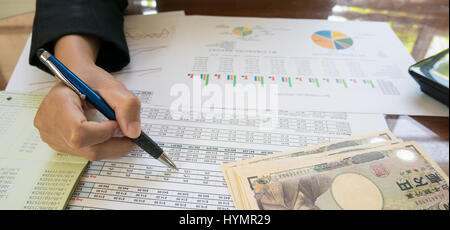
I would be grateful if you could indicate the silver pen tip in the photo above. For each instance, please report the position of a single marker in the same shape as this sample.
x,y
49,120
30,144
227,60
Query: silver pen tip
x,y
163,158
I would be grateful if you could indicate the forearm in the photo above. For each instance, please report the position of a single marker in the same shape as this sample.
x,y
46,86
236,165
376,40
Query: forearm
x,y
77,50
79,53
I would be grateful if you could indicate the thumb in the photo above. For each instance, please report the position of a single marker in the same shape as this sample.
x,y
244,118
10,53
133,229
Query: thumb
x,y
127,108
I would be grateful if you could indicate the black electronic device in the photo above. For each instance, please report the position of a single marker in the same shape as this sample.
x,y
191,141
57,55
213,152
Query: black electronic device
x,y
432,75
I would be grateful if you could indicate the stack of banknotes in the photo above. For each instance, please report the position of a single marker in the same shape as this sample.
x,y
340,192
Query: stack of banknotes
x,y
375,171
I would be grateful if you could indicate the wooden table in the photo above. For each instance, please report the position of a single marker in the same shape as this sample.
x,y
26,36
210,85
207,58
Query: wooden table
x,y
419,24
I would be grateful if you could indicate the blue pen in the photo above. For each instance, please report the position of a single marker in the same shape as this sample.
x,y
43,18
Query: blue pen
x,y
86,93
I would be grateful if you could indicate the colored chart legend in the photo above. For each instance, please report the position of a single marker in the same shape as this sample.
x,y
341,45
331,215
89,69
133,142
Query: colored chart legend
x,y
332,39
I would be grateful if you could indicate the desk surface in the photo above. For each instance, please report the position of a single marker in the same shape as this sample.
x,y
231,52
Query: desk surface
x,y
422,26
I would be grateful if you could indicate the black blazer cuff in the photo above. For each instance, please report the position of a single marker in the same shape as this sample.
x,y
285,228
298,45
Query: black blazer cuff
x,y
100,18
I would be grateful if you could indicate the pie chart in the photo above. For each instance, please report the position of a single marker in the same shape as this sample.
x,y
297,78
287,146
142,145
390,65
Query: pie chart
x,y
332,39
242,31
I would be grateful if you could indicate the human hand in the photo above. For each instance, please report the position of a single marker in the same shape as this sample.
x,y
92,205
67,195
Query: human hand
x,y
61,117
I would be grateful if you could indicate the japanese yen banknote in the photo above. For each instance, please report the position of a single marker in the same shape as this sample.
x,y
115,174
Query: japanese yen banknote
x,y
387,174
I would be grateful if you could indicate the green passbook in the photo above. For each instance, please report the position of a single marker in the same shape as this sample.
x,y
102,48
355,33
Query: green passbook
x,y
32,175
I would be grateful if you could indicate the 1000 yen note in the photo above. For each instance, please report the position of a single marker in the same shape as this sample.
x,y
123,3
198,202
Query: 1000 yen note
x,y
373,139
231,177
400,176
378,137
234,178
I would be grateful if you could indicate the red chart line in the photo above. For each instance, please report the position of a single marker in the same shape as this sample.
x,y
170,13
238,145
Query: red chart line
x,y
140,35
139,73
148,50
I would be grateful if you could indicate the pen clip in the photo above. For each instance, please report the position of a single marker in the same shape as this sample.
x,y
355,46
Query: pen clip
x,y
44,56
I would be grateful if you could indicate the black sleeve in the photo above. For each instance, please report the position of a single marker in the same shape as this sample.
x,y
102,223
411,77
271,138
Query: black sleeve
x,y
100,18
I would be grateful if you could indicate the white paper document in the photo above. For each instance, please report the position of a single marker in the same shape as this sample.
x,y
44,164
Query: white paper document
x,y
327,66
148,38
317,65
198,147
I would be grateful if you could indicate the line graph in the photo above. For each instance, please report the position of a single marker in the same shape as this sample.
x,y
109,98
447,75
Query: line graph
x,y
146,50
138,35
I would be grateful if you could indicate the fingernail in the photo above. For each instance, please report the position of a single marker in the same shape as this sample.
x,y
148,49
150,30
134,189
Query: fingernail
x,y
134,129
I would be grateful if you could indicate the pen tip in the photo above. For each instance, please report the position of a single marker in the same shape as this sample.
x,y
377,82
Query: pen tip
x,y
163,158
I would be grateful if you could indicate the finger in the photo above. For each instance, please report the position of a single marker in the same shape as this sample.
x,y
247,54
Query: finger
x,y
78,132
113,148
92,132
89,133
56,144
48,117
91,113
88,106
126,106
